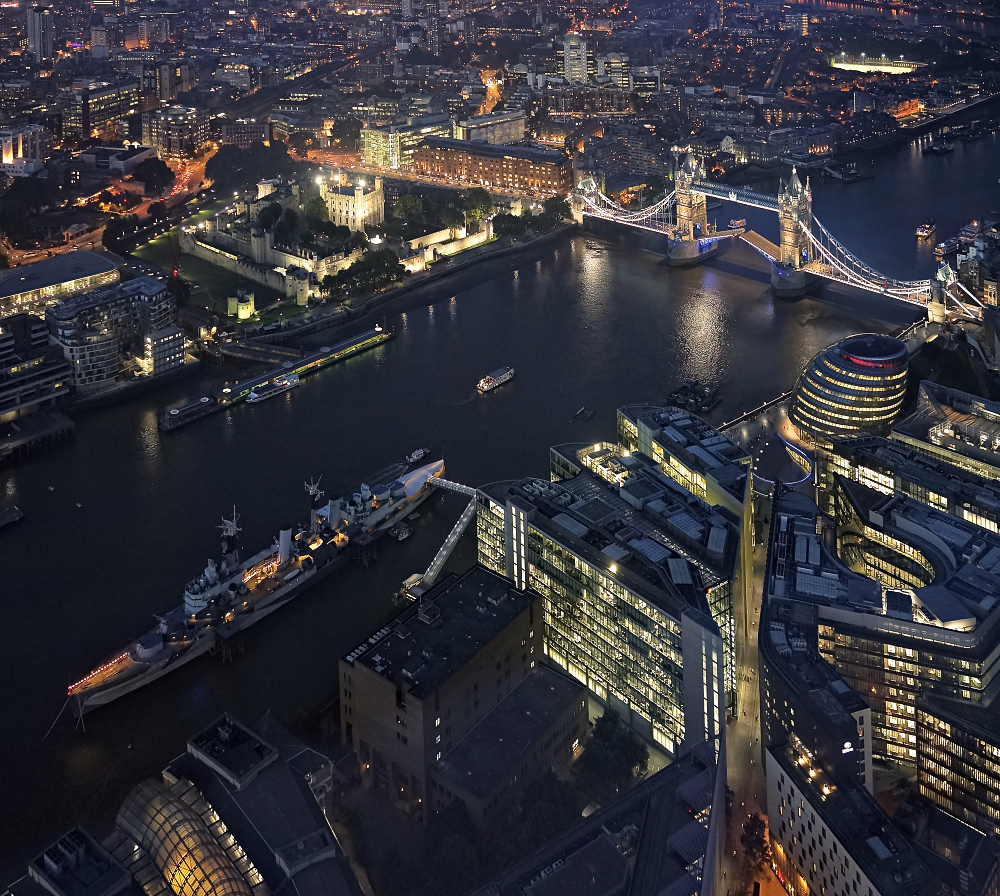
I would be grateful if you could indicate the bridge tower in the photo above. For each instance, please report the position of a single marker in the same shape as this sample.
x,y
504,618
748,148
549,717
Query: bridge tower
x,y
788,279
794,213
692,211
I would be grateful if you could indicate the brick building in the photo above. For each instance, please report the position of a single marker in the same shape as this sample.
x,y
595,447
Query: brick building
x,y
515,169
418,686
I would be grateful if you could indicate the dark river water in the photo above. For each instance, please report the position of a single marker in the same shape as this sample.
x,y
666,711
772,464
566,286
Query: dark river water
x,y
120,518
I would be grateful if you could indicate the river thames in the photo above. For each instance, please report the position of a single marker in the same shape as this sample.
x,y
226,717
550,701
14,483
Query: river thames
x,y
120,518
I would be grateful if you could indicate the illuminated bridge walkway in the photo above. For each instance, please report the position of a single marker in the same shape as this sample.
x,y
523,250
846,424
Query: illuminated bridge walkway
x,y
807,249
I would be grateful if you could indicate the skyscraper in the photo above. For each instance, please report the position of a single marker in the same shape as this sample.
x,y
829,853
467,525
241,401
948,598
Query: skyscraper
x,y
575,68
41,33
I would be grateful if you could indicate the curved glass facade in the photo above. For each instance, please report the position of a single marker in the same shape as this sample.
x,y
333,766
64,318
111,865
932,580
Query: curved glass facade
x,y
179,843
857,385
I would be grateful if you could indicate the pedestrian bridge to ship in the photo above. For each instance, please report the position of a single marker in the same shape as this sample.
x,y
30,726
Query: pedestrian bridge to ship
x,y
806,251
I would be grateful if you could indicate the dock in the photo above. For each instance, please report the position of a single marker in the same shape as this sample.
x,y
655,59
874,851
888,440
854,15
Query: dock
x,y
10,514
233,393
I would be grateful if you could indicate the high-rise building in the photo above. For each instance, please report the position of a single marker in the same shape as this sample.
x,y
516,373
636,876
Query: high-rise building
x,y
98,329
22,150
906,605
97,109
33,374
616,67
41,34
576,59
391,146
176,131
629,566
100,42
173,76
857,385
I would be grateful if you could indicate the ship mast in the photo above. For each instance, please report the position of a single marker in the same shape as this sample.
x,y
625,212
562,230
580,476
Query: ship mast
x,y
315,499
230,538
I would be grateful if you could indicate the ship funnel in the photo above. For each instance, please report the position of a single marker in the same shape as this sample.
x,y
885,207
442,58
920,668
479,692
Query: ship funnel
x,y
284,545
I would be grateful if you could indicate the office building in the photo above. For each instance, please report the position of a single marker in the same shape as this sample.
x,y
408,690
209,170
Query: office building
x,y
803,699
831,836
97,109
665,837
392,146
173,77
22,150
958,758
890,465
242,132
356,205
646,80
32,287
413,691
41,28
100,331
100,42
33,374
514,169
956,427
176,131
75,865
503,127
906,605
616,67
857,385
576,59
630,568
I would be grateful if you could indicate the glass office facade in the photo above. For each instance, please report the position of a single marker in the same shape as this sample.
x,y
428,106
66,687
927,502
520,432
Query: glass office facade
x,y
857,385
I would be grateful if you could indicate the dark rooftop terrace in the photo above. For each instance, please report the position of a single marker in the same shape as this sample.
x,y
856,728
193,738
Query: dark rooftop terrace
x,y
430,641
489,754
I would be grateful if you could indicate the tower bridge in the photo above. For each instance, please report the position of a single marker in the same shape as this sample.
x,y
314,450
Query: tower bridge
x,y
806,250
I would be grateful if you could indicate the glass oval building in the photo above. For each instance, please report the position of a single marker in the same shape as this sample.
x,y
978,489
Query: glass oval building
x,y
857,385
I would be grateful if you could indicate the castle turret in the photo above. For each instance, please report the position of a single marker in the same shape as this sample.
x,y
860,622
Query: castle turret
x,y
795,222
692,212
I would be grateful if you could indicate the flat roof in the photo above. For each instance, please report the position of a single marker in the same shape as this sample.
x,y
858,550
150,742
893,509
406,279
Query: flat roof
x,y
696,442
498,151
858,822
77,865
492,751
928,470
959,422
275,816
431,640
959,608
641,845
53,271
233,747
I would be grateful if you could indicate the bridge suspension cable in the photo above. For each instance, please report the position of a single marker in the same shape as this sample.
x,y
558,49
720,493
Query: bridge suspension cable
x,y
844,266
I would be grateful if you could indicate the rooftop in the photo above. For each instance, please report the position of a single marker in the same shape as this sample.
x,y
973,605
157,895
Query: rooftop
x,y
649,842
490,753
270,809
926,470
982,721
498,151
77,865
428,642
53,271
963,596
695,442
856,820
790,649
962,423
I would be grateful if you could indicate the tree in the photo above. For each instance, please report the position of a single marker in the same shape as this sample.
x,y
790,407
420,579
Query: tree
x,y
14,218
155,175
283,232
509,225
407,207
269,215
557,208
290,217
478,204
34,192
755,844
453,219
158,210
613,759
4,261
315,212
